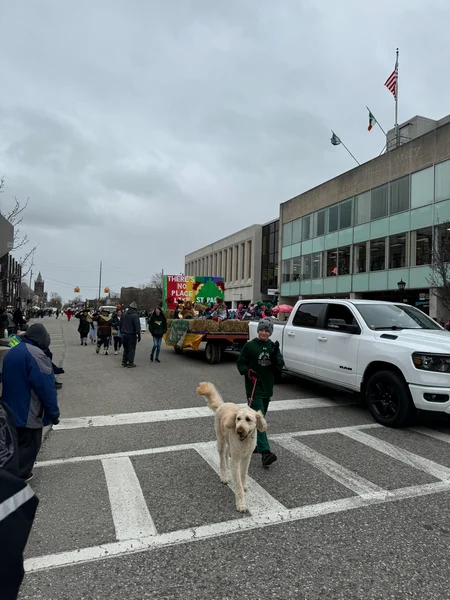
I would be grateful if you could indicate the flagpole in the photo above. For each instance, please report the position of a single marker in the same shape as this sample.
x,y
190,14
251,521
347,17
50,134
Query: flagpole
x,y
336,141
397,139
357,162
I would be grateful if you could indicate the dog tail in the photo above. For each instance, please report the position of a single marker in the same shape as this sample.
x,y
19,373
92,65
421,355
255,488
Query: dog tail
x,y
210,394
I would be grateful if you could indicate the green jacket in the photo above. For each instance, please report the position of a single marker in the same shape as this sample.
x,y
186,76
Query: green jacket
x,y
265,359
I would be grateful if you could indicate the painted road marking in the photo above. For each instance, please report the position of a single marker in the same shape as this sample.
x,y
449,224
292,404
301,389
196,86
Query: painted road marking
x,y
205,532
404,456
437,435
156,416
129,509
329,467
191,446
257,499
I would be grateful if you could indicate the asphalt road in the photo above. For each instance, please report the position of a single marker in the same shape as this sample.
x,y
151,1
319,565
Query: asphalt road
x,y
131,506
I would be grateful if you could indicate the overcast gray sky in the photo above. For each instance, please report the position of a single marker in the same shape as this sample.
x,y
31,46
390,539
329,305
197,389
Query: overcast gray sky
x,y
144,129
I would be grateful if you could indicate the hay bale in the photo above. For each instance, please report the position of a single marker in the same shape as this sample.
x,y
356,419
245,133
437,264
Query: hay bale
x,y
203,325
170,314
234,326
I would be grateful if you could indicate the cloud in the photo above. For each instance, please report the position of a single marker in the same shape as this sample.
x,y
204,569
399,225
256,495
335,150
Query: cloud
x,y
144,130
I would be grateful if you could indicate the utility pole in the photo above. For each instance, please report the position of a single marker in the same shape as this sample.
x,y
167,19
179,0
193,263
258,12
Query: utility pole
x,y
99,284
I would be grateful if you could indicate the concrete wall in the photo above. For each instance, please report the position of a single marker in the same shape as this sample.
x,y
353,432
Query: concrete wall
x,y
420,153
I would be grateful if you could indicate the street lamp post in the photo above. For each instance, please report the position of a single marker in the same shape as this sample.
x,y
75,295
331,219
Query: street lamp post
x,y
401,288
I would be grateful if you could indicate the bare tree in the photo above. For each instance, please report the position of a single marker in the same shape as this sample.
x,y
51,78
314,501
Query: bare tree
x,y
439,279
21,243
157,283
56,300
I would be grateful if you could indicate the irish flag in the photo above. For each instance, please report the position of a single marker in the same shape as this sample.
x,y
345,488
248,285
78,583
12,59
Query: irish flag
x,y
372,121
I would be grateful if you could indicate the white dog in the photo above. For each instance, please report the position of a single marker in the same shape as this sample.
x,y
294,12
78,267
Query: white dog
x,y
236,437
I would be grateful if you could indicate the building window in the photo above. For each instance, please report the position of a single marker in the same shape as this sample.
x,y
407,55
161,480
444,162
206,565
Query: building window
x,y
306,271
344,261
442,181
297,231
424,244
287,234
317,265
269,257
249,259
307,227
331,263
379,203
345,214
360,257
236,263
230,263
422,187
225,265
296,268
397,251
399,197
242,261
362,208
333,218
319,223
286,270
378,254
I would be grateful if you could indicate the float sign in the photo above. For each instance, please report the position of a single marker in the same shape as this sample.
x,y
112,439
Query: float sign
x,y
201,290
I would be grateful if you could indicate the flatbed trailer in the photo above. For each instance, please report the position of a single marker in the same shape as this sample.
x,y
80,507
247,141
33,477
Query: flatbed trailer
x,y
216,344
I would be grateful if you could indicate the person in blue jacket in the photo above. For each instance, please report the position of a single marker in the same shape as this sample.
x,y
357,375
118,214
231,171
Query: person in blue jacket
x,y
29,392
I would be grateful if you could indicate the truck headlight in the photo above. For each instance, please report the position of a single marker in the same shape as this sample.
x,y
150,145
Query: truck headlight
x,y
432,362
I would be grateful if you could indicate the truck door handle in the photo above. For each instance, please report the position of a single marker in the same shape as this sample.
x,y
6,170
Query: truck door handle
x,y
291,334
322,338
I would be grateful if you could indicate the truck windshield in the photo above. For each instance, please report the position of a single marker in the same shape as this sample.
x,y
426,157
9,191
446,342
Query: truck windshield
x,y
395,316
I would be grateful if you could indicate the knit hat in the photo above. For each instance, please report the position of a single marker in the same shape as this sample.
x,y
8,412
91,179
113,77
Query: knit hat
x,y
265,325
133,305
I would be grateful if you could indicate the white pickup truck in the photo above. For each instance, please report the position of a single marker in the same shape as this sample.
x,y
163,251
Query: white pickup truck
x,y
394,354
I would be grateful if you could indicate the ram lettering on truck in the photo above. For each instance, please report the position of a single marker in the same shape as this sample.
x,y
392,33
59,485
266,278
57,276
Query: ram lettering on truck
x,y
397,357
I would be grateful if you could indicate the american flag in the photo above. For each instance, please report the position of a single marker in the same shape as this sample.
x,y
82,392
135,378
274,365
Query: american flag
x,y
391,81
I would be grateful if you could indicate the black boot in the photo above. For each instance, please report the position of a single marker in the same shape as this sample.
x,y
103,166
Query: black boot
x,y
151,356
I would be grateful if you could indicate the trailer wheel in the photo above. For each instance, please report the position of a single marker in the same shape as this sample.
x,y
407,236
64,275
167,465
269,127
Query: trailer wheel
x,y
213,353
178,350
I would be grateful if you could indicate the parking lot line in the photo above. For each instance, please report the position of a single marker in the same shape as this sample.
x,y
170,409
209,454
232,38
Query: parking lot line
x,y
204,532
157,416
258,500
404,456
329,467
437,435
130,513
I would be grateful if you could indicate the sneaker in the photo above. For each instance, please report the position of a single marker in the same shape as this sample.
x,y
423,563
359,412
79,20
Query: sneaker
x,y
106,353
97,350
151,357
124,364
268,458
115,353
58,385
131,365
85,343
157,360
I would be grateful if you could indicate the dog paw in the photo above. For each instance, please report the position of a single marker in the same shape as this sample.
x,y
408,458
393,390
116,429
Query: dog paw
x,y
224,481
241,508
245,488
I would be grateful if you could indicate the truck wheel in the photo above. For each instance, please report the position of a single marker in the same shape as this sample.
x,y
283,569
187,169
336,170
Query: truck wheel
x,y
213,353
388,399
178,349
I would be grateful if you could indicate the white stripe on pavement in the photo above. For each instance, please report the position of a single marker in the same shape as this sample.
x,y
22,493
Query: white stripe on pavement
x,y
339,473
257,499
204,532
129,510
189,446
404,456
437,435
156,416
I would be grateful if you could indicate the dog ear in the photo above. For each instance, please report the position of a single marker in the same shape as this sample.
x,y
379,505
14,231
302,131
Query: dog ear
x,y
230,421
261,424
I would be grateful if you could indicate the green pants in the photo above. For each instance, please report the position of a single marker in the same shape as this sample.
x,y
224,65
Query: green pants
x,y
261,405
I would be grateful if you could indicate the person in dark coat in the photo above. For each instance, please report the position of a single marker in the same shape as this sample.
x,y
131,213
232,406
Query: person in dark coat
x,y
29,392
104,330
130,330
18,319
18,505
84,326
158,327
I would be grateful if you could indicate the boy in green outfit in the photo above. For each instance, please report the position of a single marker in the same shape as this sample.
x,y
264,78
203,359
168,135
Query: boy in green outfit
x,y
260,359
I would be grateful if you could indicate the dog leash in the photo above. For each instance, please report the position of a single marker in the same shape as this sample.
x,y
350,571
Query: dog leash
x,y
253,378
